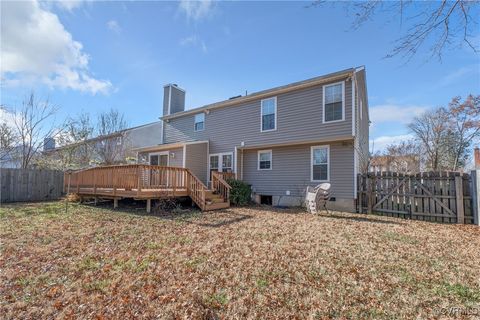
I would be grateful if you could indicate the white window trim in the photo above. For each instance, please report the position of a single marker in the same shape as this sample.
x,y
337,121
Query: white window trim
x,y
261,115
343,102
258,159
162,153
220,162
195,122
312,148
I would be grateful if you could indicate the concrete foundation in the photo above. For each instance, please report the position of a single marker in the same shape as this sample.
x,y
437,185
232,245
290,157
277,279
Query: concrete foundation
x,y
346,205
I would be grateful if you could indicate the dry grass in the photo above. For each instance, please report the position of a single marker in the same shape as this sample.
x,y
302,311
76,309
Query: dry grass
x,y
239,263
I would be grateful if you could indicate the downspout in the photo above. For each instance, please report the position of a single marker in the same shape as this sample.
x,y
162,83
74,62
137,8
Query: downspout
x,y
354,123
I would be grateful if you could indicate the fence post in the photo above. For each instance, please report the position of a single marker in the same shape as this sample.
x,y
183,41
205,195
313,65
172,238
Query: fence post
x,y
459,197
370,180
475,188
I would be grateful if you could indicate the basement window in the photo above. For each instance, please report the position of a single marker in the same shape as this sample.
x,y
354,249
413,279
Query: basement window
x,y
267,200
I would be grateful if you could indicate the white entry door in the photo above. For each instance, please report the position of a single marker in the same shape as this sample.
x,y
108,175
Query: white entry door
x,y
221,162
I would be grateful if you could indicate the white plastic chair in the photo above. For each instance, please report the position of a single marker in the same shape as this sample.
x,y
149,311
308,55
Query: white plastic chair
x,y
317,197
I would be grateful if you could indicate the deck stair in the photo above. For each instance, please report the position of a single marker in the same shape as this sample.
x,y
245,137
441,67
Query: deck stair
x,y
148,182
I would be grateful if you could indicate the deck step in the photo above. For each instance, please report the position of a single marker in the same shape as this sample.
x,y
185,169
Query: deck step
x,y
217,206
214,200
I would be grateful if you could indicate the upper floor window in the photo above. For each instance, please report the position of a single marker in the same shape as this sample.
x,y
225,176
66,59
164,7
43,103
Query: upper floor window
x,y
269,114
320,163
265,160
333,102
200,121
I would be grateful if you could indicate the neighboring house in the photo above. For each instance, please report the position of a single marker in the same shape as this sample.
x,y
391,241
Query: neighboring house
x,y
279,140
115,147
399,163
11,158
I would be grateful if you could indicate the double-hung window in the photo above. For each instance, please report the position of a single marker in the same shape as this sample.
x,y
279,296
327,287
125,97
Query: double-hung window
x,y
320,163
200,121
269,114
333,102
265,160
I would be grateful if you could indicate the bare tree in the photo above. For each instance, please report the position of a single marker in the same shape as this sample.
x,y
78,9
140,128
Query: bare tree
x,y
8,140
446,134
404,156
439,24
113,143
465,120
77,130
31,124
432,131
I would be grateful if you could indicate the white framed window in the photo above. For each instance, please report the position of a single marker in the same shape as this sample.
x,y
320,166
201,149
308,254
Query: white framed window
x,y
264,160
320,164
334,102
199,122
268,114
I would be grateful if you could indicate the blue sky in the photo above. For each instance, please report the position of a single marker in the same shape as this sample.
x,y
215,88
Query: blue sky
x,y
93,56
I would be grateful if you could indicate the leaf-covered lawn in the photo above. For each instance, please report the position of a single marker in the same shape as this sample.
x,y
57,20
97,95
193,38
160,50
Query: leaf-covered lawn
x,y
239,263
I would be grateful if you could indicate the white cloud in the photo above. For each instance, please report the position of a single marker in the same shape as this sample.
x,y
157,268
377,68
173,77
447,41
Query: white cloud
x,y
69,5
194,41
197,10
395,113
459,74
381,143
114,26
37,48
7,117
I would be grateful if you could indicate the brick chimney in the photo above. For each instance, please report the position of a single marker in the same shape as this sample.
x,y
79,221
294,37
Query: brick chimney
x,y
476,156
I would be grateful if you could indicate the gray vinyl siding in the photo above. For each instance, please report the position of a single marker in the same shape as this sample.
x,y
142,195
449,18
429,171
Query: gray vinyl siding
x,y
362,134
145,136
197,160
299,119
177,100
291,170
166,93
175,157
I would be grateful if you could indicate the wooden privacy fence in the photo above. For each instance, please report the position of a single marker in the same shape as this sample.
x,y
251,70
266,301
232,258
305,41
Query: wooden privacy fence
x,y
30,185
431,196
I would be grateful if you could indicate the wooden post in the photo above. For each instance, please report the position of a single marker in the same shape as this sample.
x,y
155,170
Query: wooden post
x,y
95,184
115,203
139,180
475,188
459,197
370,180
149,205
114,182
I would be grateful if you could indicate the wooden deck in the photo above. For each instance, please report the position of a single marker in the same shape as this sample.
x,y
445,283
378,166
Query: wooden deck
x,y
148,182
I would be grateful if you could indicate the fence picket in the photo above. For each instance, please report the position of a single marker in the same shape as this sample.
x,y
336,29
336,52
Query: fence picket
x,y
431,196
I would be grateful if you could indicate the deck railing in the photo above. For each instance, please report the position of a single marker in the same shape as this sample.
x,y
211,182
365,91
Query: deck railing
x,y
220,186
196,190
128,177
138,180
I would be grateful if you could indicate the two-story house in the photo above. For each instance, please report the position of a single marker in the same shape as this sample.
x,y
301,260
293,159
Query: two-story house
x,y
279,140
